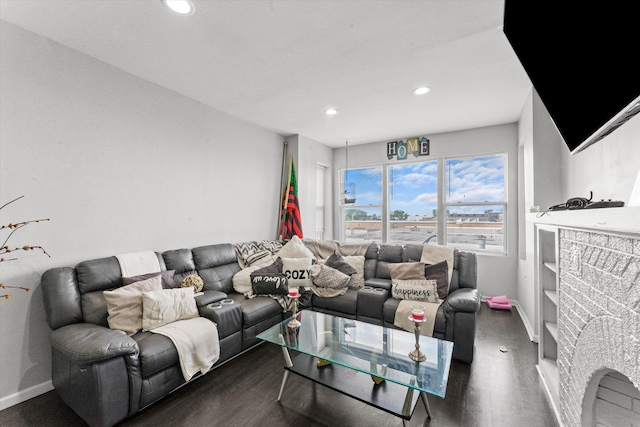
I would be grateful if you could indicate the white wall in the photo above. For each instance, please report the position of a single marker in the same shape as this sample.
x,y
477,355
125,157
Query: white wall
x,y
496,273
119,165
552,175
608,168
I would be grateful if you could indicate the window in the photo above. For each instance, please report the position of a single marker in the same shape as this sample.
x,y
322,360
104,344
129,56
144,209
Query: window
x,y
401,203
413,202
320,172
362,219
475,203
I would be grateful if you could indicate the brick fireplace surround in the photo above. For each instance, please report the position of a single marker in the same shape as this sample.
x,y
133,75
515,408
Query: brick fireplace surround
x,y
599,316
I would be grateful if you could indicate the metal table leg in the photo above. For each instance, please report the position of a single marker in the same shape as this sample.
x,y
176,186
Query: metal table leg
x,y
288,363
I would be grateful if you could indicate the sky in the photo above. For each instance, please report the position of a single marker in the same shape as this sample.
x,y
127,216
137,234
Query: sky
x,y
413,186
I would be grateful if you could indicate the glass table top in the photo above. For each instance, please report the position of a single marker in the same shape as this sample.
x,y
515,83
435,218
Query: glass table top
x,y
371,349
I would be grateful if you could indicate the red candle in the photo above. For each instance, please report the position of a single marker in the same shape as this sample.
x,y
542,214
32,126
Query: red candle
x,y
417,313
293,292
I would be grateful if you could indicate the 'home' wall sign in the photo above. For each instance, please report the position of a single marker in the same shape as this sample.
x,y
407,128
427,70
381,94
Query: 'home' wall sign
x,y
401,149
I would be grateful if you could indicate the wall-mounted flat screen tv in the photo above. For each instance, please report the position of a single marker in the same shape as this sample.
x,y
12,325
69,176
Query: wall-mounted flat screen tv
x,y
582,59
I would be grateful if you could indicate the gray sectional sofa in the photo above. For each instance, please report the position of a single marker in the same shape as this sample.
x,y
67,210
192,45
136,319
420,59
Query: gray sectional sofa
x,y
106,376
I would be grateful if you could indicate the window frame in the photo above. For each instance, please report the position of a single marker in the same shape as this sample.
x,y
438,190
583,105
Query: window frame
x,y
442,203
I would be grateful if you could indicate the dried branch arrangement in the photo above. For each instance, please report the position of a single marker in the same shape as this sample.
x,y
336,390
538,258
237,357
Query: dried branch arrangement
x,y
6,249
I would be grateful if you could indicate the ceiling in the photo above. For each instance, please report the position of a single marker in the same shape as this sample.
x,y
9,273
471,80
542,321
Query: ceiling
x,y
281,64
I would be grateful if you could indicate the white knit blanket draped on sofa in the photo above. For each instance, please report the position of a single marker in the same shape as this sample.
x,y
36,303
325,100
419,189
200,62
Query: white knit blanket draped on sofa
x,y
196,339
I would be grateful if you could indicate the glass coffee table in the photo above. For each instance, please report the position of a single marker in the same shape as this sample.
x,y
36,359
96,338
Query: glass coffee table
x,y
326,346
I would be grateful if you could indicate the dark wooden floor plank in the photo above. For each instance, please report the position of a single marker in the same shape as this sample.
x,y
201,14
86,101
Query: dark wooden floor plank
x,y
497,389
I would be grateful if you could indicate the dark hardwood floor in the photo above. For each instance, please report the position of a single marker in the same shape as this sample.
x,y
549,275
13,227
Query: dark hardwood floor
x,y
497,389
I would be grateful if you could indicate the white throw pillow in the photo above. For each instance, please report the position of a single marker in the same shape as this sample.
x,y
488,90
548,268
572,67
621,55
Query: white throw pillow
x,y
242,280
166,306
124,304
295,248
297,271
415,290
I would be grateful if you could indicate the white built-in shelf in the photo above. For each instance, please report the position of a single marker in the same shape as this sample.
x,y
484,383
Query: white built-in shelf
x,y
553,329
551,266
552,295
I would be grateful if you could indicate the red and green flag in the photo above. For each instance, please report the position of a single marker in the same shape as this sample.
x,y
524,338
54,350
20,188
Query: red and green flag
x,y
290,221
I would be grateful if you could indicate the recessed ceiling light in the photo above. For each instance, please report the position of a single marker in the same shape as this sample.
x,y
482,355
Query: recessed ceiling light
x,y
331,111
421,90
183,7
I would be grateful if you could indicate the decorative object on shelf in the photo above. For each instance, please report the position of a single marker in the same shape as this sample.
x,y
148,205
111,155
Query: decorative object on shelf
x,y
5,249
349,187
417,316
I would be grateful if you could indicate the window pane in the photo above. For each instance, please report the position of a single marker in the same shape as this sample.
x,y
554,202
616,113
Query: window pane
x,y
413,201
475,179
367,183
363,224
476,227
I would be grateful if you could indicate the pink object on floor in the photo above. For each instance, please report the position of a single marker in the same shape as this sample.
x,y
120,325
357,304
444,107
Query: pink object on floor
x,y
500,302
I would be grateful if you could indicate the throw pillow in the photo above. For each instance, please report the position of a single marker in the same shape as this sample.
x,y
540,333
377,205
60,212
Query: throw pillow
x,y
357,279
262,257
338,262
242,280
274,267
297,271
269,284
194,281
440,273
406,270
167,278
124,305
166,306
415,290
324,276
295,248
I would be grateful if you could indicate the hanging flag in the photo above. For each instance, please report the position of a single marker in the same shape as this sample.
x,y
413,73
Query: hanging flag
x,y
291,221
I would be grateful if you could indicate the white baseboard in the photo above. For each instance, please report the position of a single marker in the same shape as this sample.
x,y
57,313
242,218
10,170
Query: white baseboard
x,y
26,394
525,320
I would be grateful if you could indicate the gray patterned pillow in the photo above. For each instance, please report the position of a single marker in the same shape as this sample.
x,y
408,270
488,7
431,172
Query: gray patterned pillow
x,y
326,277
415,290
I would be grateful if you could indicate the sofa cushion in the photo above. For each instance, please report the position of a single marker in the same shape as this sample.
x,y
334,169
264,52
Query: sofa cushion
x,y
346,304
339,262
297,271
415,290
167,278
124,304
269,284
168,305
257,309
406,270
295,248
157,352
439,273
357,262
327,277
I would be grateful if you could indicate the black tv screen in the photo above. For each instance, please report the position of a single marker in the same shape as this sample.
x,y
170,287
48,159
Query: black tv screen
x,y
582,60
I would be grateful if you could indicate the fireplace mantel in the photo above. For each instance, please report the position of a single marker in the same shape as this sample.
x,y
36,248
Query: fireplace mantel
x,y
625,220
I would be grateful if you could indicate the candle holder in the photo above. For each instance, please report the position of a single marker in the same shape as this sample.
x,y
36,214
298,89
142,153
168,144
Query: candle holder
x,y
417,317
294,322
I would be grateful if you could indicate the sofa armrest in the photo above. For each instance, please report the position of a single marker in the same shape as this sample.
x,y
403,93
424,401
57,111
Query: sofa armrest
x,y
86,343
465,300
